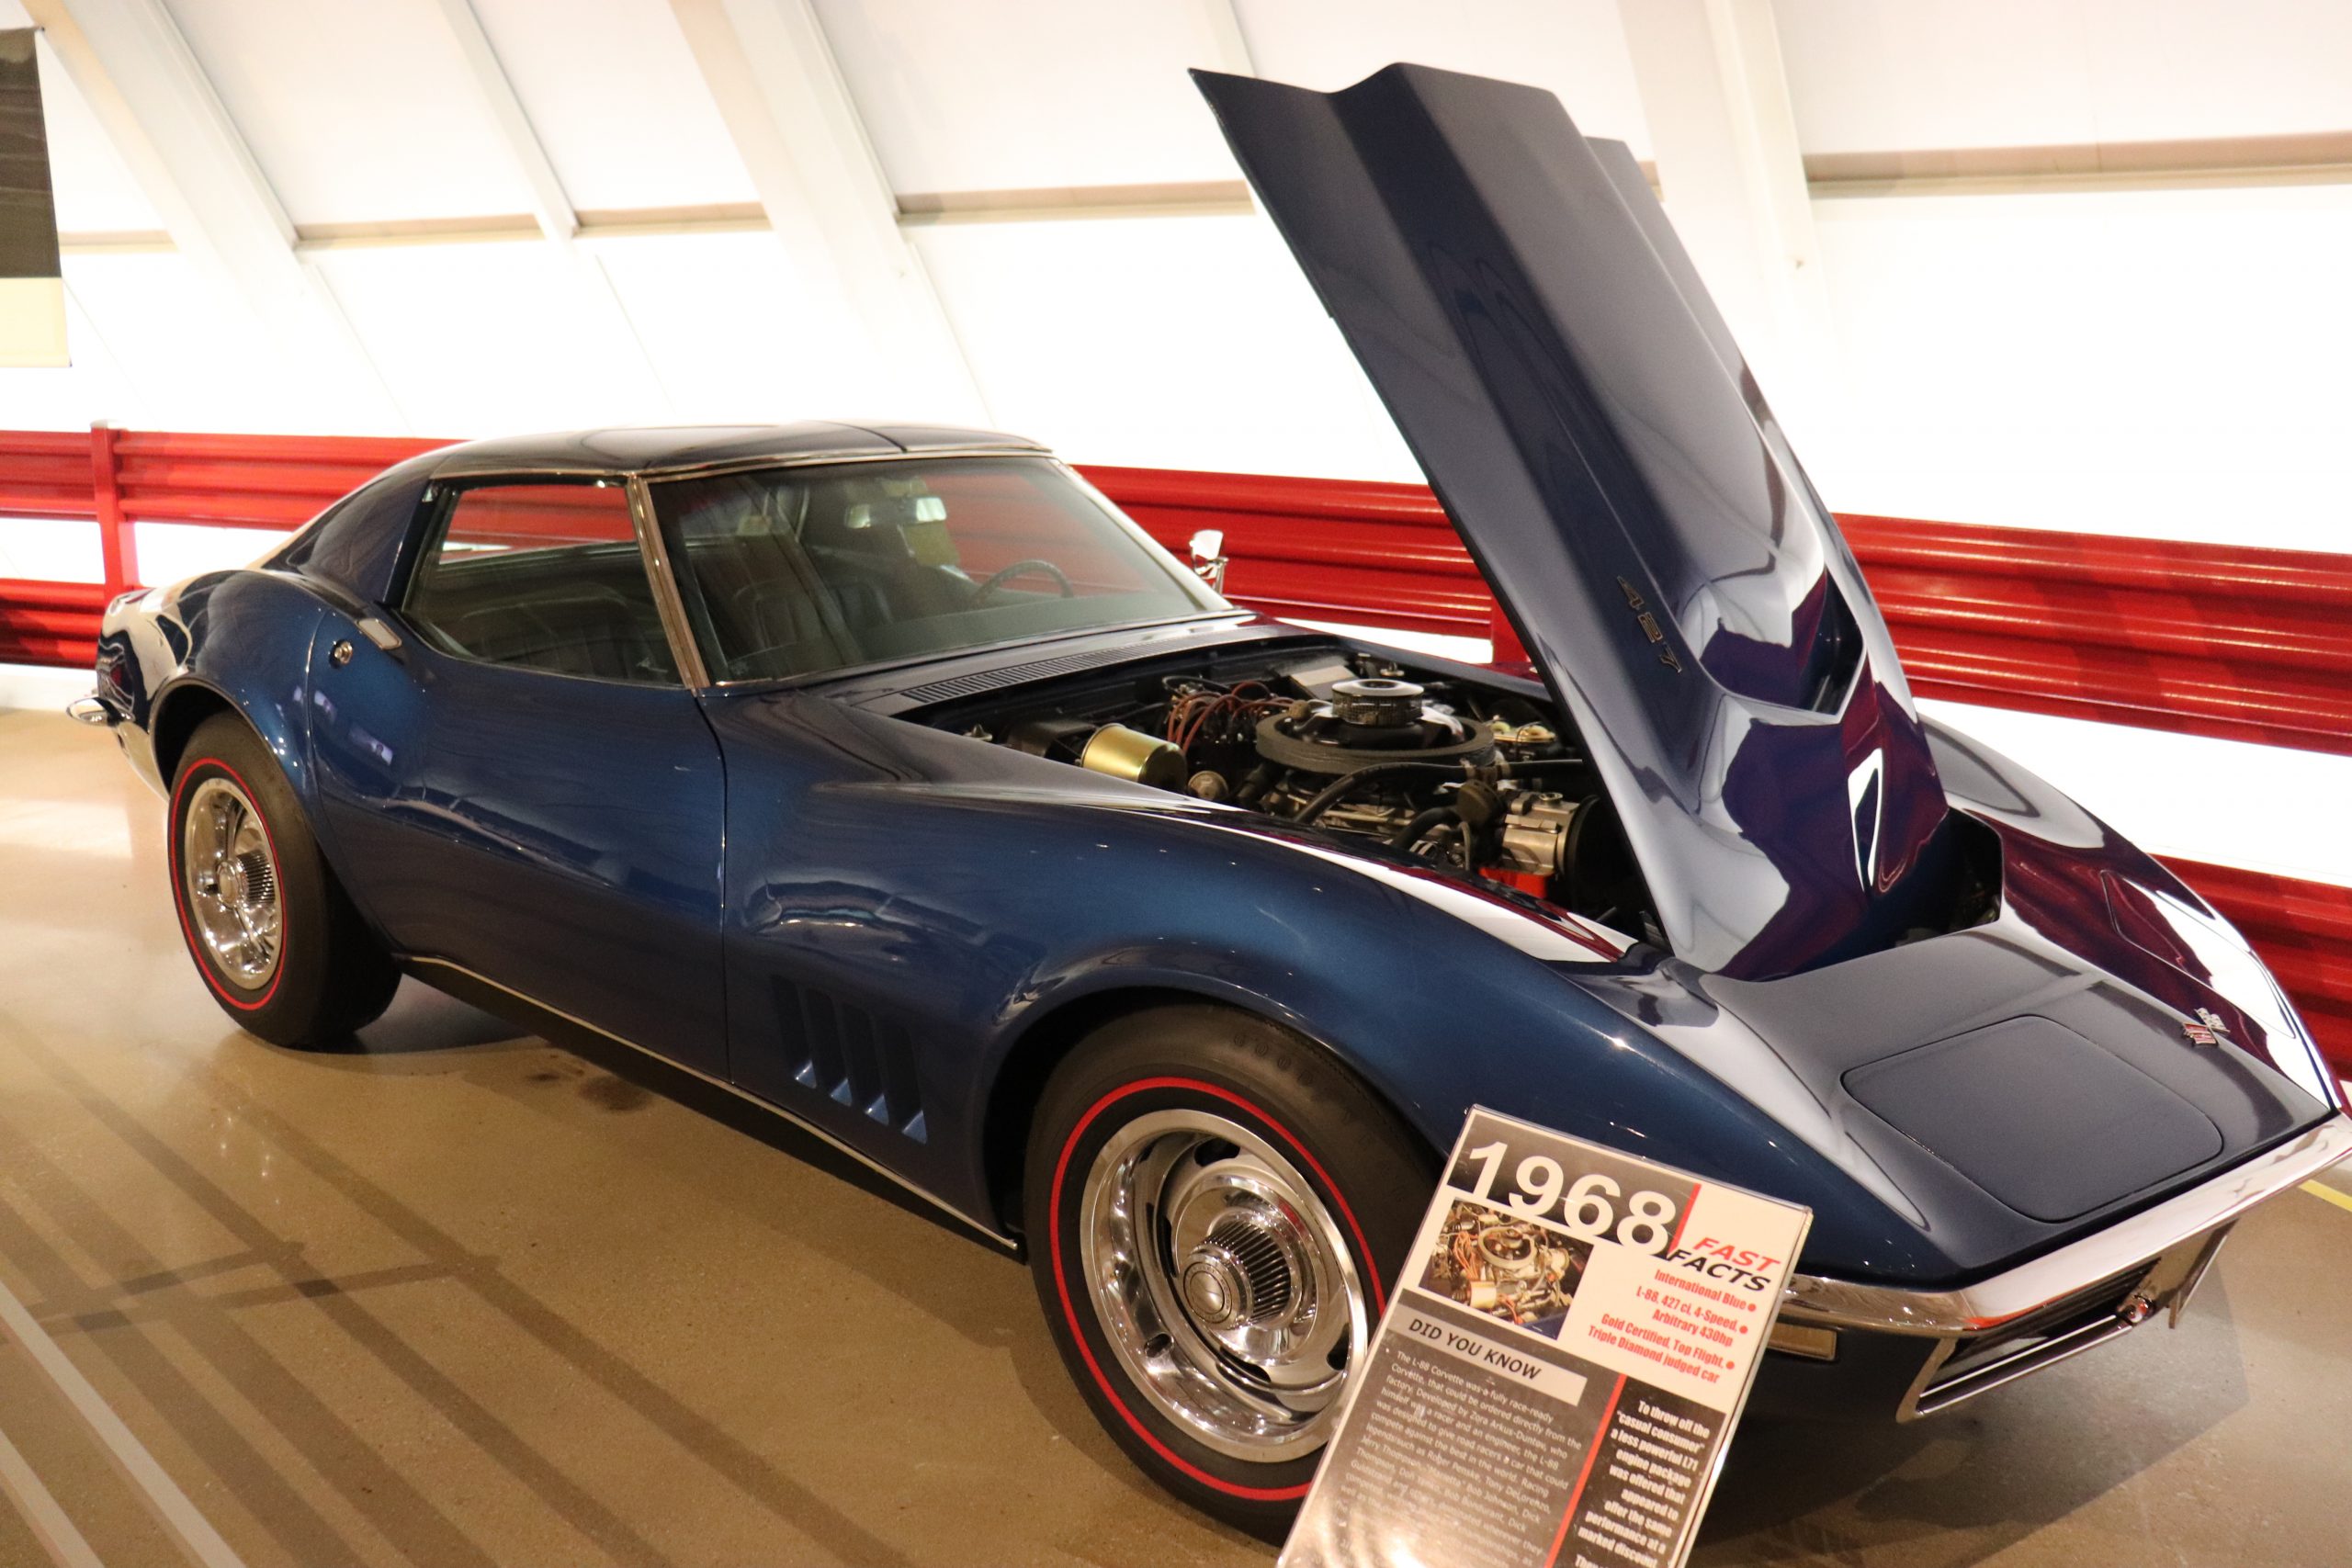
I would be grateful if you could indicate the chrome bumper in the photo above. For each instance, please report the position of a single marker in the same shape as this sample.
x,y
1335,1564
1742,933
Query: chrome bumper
x,y
2065,1301
90,710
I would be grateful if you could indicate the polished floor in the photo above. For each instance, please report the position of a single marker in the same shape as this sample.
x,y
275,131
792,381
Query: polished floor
x,y
456,1298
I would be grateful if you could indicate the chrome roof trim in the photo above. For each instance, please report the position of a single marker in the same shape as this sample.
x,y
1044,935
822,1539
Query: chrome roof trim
x,y
460,466
1972,1309
986,1232
676,625
658,473
486,468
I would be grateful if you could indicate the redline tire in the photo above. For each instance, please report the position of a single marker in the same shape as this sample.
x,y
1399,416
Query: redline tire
x,y
1364,1176
328,975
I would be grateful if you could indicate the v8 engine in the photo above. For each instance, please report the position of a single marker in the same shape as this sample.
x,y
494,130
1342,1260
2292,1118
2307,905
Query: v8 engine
x,y
1478,779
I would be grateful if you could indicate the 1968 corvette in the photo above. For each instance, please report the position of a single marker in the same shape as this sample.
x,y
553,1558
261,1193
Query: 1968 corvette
x,y
889,778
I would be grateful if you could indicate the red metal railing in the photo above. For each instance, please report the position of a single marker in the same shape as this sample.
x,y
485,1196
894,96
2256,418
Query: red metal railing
x,y
1318,549
2205,640
2202,639
119,479
49,623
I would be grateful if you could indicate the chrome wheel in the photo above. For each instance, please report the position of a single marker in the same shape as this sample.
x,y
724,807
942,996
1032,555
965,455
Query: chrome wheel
x,y
230,877
1222,1284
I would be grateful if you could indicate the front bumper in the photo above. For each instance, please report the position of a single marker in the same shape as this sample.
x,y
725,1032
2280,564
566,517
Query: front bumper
x,y
1960,1343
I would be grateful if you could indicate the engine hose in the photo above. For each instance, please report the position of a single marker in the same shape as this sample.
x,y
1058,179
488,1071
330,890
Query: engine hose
x,y
1337,789
1261,779
1411,832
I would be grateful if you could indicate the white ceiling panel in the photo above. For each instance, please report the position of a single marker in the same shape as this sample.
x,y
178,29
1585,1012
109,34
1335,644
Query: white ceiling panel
x,y
1885,75
358,111
71,397
477,340
1576,48
187,355
959,96
1169,342
2151,362
617,102
719,321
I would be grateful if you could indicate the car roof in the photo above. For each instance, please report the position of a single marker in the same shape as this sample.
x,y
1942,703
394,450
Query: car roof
x,y
669,448
356,542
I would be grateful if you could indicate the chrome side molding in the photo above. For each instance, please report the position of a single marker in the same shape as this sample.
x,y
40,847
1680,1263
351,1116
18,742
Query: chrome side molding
x,y
981,1228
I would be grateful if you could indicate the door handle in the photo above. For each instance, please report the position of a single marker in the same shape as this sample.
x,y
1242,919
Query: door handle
x,y
375,631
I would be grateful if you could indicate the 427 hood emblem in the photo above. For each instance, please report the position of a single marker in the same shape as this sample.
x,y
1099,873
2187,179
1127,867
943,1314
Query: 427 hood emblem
x,y
1646,618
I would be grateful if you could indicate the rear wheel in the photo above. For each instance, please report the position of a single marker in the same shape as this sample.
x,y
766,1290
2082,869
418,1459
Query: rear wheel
x,y
277,943
1214,1209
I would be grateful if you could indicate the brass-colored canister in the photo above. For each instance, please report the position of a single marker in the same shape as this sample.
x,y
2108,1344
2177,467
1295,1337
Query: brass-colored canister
x,y
1126,753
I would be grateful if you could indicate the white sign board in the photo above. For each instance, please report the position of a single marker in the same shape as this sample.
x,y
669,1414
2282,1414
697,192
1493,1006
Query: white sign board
x,y
1558,1375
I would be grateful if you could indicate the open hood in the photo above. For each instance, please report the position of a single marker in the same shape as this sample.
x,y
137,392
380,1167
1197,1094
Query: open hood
x,y
1523,308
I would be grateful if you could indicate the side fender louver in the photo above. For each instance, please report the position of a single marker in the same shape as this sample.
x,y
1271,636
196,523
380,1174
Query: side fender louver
x,y
851,1056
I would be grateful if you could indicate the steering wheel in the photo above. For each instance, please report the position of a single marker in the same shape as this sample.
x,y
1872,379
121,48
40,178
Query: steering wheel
x,y
998,579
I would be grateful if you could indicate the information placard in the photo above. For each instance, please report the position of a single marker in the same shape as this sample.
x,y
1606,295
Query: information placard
x,y
1559,1373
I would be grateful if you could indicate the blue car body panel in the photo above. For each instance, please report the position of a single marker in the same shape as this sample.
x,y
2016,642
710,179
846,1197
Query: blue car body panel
x,y
902,885
357,544
894,883
239,640
560,836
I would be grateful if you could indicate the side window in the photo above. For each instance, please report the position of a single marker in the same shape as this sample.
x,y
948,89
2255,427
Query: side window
x,y
545,575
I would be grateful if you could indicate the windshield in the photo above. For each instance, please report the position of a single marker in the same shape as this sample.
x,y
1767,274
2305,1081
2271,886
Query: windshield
x,y
798,571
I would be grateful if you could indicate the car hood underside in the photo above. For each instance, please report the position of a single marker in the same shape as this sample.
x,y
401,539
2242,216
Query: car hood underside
x,y
1521,304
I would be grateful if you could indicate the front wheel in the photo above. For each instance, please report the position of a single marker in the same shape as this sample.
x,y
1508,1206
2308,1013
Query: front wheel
x,y
277,943
1216,1208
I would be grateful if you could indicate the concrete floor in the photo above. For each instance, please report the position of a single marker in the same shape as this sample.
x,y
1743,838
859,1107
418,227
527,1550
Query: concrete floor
x,y
455,1298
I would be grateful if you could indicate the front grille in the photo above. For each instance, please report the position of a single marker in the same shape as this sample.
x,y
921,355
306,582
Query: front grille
x,y
2063,1328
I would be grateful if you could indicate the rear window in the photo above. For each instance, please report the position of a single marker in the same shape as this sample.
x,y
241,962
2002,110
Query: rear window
x,y
799,570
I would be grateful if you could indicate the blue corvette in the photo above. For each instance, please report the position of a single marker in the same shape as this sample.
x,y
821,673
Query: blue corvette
x,y
889,778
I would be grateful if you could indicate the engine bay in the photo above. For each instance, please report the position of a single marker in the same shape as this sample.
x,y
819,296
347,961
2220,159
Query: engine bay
x,y
1480,779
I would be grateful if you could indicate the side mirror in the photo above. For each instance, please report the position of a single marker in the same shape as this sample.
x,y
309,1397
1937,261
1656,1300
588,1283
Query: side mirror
x,y
1208,557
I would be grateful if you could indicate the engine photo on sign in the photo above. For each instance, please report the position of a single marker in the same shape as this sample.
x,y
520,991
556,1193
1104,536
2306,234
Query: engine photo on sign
x,y
1519,1272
